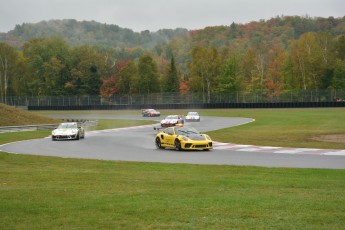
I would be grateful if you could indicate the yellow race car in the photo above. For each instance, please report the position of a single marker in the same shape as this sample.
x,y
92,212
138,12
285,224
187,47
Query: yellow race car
x,y
182,138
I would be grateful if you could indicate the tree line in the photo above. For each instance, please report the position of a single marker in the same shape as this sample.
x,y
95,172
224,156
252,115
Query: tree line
x,y
206,61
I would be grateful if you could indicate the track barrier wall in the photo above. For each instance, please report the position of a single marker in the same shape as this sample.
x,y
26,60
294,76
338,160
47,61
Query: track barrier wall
x,y
197,100
195,106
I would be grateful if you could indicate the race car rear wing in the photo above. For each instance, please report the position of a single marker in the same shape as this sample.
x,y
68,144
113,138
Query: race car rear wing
x,y
157,128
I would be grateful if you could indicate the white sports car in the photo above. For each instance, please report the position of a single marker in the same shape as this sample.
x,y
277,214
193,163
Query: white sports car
x,y
192,116
68,131
172,120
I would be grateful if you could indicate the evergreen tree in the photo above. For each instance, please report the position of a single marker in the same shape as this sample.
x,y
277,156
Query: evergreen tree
x,y
172,82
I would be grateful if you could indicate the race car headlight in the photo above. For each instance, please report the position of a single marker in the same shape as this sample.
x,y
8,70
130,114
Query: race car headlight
x,y
185,138
54,132
74,131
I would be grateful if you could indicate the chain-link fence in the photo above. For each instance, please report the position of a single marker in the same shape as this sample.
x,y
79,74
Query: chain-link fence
x,y
178,98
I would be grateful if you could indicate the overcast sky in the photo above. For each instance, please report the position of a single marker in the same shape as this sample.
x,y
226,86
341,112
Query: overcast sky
x,y
153,15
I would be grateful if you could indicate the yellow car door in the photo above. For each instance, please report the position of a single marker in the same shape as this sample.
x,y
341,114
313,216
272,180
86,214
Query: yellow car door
x,y
169,137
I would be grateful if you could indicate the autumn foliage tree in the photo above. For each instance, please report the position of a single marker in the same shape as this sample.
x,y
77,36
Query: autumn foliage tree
x,y
264,57
231,75
275,67
147,79
87,69
48,65
204,70
127,77
311,60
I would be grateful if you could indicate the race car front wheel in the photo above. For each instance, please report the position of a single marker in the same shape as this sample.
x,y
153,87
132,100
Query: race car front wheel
x,y
158,143
177,145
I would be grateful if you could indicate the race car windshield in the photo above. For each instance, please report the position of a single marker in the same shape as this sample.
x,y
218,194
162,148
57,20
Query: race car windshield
x,y
185,131
171,117
192,113
67,126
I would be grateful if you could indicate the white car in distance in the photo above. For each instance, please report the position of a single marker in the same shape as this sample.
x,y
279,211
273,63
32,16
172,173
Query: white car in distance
x,y
192,116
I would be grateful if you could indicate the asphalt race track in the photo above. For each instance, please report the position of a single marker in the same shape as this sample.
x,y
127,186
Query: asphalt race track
x,y
137,144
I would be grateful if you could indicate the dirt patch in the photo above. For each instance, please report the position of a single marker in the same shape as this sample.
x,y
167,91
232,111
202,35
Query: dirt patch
x,y
337,138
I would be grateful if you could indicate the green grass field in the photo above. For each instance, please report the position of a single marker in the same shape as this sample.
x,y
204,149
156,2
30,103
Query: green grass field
x,y
284,127
56,193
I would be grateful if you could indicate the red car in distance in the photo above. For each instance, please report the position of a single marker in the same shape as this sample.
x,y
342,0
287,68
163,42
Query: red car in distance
x,y
150,113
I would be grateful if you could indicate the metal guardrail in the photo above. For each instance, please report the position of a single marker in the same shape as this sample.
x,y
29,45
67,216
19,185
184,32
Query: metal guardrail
x,y
196,106
7,129
264,96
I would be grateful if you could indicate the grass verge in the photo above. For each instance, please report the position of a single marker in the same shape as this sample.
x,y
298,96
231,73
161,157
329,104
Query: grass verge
x,y
284,127
56,193
11,116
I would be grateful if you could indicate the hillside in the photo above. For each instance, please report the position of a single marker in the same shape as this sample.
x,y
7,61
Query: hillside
x,y
11,116
281,30
77,33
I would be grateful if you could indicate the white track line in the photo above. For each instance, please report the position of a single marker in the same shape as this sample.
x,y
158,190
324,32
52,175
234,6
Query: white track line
x,y
278,150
